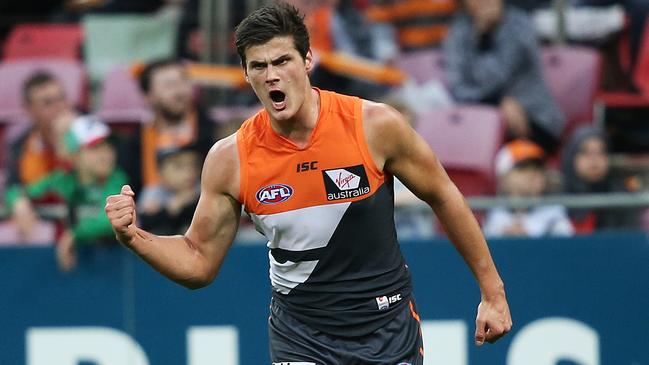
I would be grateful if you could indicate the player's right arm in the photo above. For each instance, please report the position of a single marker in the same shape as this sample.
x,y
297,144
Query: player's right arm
x,y
192,259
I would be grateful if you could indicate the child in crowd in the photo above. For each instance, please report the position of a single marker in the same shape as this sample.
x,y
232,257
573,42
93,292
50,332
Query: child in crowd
x,y
521,173
168,207
586,170
84,188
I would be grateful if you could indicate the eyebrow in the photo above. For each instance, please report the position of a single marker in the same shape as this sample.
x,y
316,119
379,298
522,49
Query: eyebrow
x,y
276,61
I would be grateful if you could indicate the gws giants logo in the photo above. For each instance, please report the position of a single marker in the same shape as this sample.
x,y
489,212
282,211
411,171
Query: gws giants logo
x,y
273,194
346,182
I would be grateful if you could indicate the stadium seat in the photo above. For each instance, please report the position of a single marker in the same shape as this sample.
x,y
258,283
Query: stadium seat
x,y
43,234
573,76
44,40
465,139
121,98
423,66
14,74
641,75
640,78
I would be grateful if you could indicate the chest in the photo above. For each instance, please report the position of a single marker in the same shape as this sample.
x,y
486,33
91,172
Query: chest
x,y
278,182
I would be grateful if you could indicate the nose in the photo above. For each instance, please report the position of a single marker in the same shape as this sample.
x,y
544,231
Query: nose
x,y
271,74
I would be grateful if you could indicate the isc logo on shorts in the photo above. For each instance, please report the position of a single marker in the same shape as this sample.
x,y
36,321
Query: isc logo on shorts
x,y
346,182
384,302
273,194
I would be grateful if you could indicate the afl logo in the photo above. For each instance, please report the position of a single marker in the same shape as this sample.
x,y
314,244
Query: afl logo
x,y
273,194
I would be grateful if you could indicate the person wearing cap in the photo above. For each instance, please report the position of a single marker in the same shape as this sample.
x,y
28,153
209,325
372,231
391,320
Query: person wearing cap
x,y
168,206
520,169
84,188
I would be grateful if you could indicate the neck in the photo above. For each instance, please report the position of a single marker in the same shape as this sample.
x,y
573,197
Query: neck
x,y
299,128
85,177
45,136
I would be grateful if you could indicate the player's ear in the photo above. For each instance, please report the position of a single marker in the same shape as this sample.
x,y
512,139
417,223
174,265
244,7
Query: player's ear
x,y
308,60
245,72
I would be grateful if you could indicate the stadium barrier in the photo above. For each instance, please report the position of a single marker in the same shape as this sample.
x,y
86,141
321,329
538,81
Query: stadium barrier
x,y
577,201
579,300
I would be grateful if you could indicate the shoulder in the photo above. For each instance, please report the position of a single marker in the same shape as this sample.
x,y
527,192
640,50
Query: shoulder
x,y
498,214
387,132
154,192
221,167
119,175
461,22
381,115
516,14
18,143
519,20
381,120
551,211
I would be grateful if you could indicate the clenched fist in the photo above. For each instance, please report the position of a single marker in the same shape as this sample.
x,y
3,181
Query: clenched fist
x,y
121,214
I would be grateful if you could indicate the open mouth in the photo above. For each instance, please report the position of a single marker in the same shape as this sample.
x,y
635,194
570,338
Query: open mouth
x,y
278,98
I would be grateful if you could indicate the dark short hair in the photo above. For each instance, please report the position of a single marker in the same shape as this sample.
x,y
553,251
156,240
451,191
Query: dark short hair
x,y
37,79
268,22
147,73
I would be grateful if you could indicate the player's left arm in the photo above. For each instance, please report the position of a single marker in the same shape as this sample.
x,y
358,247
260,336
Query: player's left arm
x,y
396,148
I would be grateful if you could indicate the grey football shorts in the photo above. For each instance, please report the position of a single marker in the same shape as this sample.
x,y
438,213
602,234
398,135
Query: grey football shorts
x,y
294,343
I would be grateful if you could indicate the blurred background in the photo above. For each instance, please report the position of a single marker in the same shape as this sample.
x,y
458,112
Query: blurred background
x,y
538,110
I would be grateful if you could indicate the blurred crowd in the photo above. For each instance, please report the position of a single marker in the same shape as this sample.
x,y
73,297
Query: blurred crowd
x,y
420,56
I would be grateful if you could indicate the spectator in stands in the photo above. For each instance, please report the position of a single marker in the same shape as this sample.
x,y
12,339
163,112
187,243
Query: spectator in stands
x,y
84,189
168,207
492,57
521,173
341,26
637,12
177,121
586,170
33,155
420,24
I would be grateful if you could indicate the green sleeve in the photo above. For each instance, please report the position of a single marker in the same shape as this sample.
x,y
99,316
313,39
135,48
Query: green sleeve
x,y
58,182
88,229
91,228
13,193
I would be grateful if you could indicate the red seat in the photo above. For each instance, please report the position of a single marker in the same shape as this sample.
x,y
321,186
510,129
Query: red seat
x,y
573,76
44,40
122,101
641,75
14,74
640,80
423,66
465,139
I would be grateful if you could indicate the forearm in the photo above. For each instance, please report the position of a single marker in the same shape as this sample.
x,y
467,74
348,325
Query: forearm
x,y
176,257
463,230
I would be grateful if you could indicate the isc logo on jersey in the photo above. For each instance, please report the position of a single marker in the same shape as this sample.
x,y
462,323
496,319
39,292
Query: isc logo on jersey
x,y
273,194
346,182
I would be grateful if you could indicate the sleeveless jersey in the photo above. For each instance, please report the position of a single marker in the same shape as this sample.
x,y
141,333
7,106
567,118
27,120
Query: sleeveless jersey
x,y
328,214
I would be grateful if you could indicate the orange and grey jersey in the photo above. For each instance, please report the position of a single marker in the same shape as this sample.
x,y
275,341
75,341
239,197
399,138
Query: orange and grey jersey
x,y
328,214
